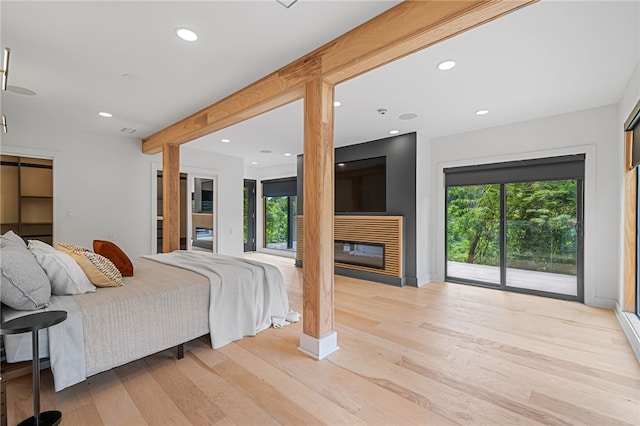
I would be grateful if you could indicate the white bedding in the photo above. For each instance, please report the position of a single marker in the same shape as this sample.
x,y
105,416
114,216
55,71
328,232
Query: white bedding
x,y
245,298
161,307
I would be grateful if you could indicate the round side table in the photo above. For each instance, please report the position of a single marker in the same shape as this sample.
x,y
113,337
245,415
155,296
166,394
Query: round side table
x,y
34,323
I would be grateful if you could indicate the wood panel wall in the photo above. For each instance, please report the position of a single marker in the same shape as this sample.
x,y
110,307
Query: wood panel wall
x,y
367,229
630,227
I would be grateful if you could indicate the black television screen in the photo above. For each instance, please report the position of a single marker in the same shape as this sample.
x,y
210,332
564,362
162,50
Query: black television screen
x,y
361,185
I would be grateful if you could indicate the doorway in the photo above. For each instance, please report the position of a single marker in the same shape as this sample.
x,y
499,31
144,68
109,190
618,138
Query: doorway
x,y
249,215
517,226
203,229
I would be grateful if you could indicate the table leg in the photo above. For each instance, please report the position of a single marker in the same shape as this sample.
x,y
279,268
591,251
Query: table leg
x,y
36,378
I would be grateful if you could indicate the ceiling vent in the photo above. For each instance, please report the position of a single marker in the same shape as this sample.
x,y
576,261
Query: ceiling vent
x,y
128,131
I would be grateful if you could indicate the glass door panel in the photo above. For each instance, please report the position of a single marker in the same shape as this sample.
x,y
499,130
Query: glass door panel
x,y
202,219
542,220
473,233
249,225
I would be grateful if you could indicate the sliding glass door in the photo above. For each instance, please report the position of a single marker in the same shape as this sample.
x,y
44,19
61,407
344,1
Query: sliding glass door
x,y
522,231
542,235
473,233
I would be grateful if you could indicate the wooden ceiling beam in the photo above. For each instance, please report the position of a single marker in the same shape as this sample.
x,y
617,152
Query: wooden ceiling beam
x,y
404,29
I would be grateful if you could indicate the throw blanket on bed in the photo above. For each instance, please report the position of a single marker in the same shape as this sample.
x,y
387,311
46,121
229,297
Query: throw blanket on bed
x,y
117,325
246,296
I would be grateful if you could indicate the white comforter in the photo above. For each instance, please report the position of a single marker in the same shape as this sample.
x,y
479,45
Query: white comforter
x,y
245,298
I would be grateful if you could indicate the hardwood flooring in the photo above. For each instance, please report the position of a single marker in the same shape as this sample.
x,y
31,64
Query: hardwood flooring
x,y
438,355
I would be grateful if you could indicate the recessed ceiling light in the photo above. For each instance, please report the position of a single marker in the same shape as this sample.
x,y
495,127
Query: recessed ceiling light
x,y
105,114
287,154
482,112
394,132
21,90
254,163
186,34
337,103
225,140
446,65
408,116
340,164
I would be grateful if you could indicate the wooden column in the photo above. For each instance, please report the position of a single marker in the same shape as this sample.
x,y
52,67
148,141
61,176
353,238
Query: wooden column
x,y
170,198
318,338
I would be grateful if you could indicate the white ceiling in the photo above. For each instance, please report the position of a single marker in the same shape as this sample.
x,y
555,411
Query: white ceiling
x,y
545,59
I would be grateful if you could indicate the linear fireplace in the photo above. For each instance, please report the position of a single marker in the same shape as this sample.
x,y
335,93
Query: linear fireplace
x,y
359,253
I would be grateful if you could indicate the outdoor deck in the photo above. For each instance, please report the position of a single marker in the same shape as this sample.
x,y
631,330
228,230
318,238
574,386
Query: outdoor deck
x,y
519,278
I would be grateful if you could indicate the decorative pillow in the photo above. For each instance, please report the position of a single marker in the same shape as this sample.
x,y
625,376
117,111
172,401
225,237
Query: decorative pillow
x,y
100,270
65,275
12,236
71,249
114,254
23,283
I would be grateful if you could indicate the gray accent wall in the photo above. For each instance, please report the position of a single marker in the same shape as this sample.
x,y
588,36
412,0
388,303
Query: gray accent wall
x,y
400,152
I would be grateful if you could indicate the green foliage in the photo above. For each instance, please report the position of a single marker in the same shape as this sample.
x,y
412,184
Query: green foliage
x,y
541,219
473,228
246,214
276,222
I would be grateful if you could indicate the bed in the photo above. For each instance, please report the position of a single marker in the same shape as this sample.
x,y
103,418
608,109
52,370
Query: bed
x,y
171,299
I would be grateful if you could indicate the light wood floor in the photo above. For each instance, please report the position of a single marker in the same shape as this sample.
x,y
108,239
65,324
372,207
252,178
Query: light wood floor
x,y
442,354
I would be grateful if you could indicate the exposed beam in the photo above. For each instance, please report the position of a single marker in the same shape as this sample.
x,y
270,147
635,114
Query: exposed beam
x,y
402,30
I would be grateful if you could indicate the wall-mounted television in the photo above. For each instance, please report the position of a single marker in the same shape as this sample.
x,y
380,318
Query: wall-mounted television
x,y
361,185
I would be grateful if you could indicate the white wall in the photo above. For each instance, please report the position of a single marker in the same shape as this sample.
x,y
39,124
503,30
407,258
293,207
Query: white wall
x,y
425,212
102,185
594,132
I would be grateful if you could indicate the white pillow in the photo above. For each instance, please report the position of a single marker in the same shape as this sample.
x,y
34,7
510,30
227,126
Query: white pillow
x,y
12,236
23,283
65,275
40,247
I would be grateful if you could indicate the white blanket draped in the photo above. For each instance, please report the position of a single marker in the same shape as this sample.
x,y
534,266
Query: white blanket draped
x,y
246,296
117,325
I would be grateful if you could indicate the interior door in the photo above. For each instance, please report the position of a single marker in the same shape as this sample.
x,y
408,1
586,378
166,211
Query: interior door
x,y
249,215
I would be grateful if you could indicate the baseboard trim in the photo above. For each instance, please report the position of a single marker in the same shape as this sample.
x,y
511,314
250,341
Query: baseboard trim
x,y
630,324
319,348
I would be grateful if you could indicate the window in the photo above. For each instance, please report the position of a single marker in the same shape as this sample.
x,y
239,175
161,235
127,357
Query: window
x,y
517,226
280,213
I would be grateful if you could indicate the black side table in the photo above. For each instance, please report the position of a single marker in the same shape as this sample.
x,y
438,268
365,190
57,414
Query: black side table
x,y
34,323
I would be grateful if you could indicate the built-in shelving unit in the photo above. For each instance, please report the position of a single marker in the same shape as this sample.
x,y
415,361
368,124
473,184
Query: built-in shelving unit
x,y
26,207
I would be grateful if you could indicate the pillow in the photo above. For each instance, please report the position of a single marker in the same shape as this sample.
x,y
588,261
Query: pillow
x,y
100,270
39,247
114,254
13,237
23,283
71,249
65,275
